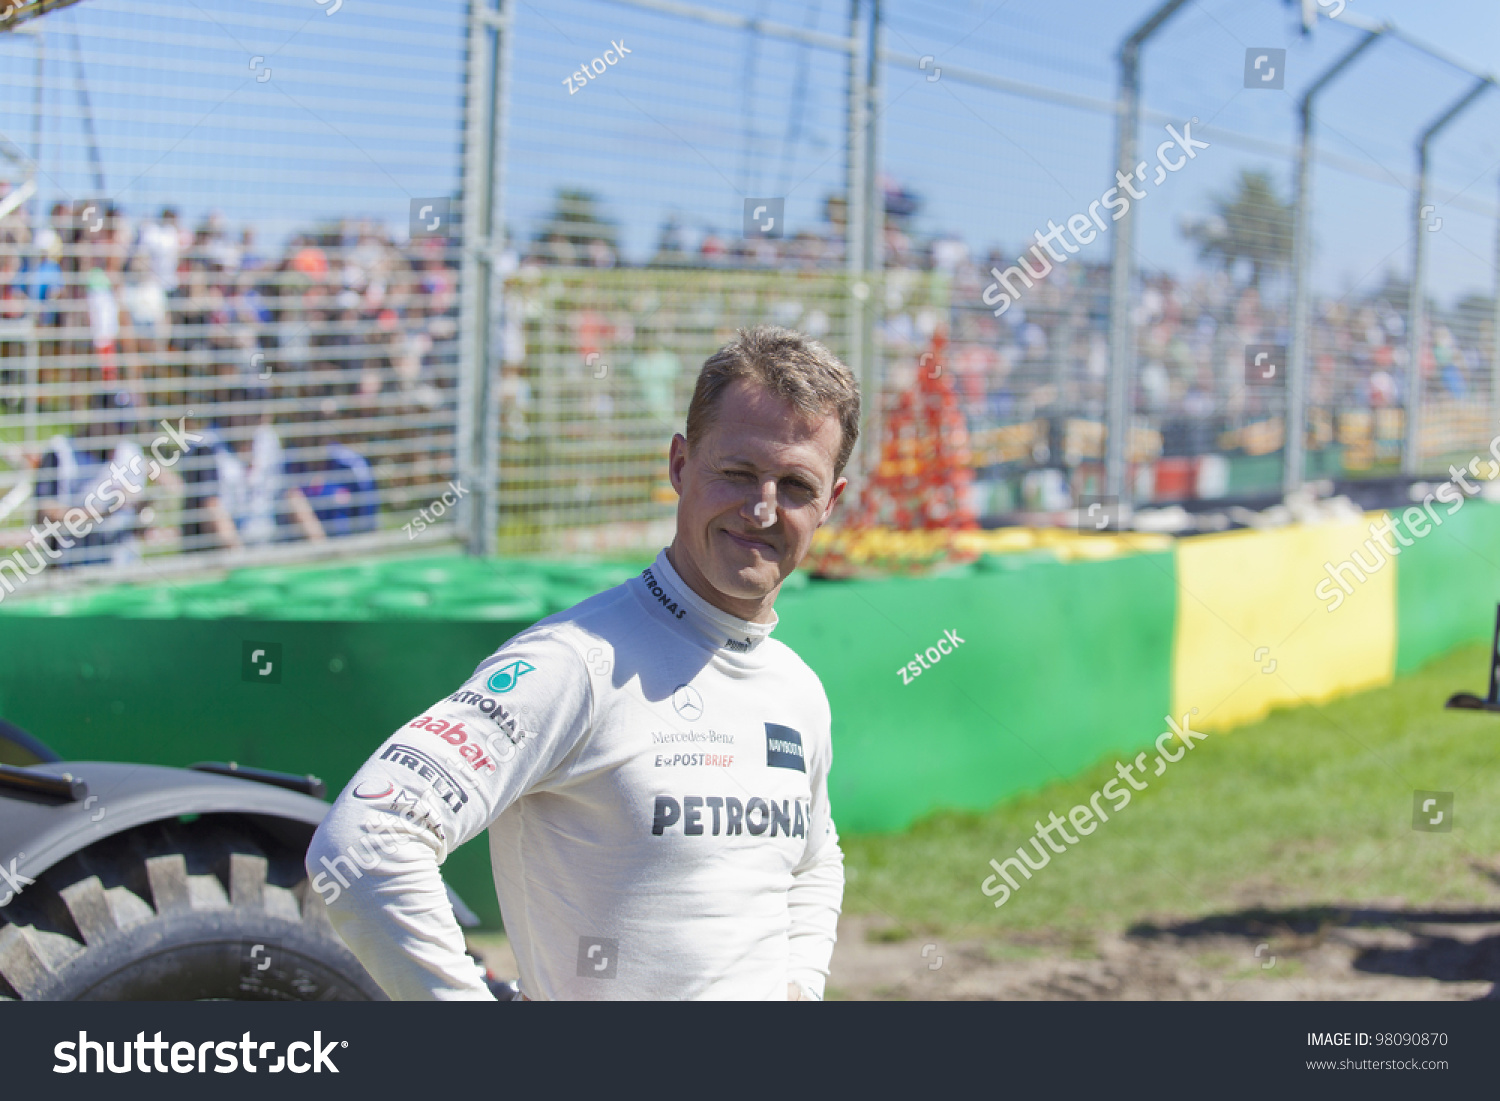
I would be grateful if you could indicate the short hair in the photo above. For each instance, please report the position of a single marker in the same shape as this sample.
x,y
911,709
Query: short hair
x,y
793,367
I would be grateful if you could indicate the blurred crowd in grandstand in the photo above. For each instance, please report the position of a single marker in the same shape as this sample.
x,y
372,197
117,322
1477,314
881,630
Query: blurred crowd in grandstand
x,y
1033,380
310,371
321,374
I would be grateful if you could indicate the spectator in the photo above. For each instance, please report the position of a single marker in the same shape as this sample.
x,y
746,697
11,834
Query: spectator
x,y
163,245
237,503
342,492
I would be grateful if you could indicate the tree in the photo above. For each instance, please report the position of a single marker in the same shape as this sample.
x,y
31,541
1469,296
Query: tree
x,y
575,219
1253,225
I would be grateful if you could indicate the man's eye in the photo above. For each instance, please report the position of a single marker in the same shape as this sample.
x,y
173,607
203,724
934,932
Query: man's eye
x,y
738,474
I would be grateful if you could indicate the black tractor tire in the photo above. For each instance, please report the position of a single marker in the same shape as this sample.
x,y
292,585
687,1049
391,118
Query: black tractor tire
x,y
210,908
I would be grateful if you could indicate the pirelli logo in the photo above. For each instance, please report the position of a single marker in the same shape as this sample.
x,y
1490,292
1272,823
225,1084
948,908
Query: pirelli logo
x,y
784,748
442,782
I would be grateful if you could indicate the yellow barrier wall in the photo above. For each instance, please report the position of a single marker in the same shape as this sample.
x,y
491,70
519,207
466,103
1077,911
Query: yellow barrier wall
x,y
1253,635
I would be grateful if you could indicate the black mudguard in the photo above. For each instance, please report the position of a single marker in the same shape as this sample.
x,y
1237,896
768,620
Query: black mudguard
x,y
37,831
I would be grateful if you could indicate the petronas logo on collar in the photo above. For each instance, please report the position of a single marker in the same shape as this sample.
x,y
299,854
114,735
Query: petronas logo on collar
x,y
504,678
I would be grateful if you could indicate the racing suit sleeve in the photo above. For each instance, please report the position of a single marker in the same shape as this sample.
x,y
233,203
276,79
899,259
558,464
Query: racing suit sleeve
x,y
817,892
437,782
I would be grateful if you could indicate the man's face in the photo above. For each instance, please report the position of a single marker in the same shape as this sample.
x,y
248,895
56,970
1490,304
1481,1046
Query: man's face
x,y
753,489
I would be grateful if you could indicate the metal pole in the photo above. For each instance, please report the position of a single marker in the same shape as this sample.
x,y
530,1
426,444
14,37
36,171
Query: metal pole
x,y
854,174
493,359
1495,341
474,302
1416,313
39,39
82,88
39,219
871,373
855,214
1121,270
1294,449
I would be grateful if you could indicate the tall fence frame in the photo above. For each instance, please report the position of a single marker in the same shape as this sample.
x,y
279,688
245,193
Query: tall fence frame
x,y
488,298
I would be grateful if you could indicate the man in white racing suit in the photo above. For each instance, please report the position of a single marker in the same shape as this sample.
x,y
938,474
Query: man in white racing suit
x,y
651,765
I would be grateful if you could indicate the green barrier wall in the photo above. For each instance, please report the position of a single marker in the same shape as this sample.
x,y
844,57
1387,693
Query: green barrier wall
x,y
1061,665
170,692
1447,586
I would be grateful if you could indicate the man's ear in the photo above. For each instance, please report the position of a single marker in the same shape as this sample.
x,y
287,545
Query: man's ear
x,y
676,460
833,499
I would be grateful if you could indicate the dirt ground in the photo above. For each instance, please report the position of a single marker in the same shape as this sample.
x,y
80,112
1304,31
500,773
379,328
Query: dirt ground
x,y
1366,955
1370,954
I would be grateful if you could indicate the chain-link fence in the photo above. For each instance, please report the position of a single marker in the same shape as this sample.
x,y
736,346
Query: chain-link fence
x,y
995,133
229,325
931,187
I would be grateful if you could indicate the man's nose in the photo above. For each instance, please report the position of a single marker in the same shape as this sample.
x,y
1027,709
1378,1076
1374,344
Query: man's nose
x,y
761,506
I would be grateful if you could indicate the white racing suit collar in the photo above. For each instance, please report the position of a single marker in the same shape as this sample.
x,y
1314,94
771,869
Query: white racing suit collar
x,y
660,586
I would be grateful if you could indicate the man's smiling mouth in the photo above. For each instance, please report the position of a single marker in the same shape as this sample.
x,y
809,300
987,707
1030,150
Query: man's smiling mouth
x,y
748,541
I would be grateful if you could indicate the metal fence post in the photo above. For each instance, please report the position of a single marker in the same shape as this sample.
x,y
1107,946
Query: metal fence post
x,y
1121,339
493,361
1294,443
1495,342
1416,314
855,217
871,374
475,344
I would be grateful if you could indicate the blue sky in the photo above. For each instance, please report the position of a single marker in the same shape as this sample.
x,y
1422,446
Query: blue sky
x,y
697,119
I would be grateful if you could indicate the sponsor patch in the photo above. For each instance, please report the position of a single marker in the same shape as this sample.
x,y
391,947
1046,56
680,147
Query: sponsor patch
x,y
455,735
784,748
724,815
695,760
663,597
388,796
441,782
504,678
494,710
673,736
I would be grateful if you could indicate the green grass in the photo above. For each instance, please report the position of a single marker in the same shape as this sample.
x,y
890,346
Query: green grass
x,y
1308,807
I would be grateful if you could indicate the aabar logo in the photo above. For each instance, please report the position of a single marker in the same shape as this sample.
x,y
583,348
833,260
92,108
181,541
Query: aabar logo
x,y
504,678
784,748
455,735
